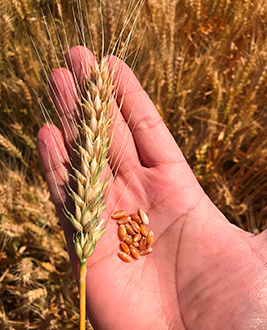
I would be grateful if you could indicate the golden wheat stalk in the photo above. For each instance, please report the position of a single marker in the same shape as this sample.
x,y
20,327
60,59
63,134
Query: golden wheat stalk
x,y
91,147
89,197
92,152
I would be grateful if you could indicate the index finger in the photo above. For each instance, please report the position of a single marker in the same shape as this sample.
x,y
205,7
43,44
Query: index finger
x,y
153,140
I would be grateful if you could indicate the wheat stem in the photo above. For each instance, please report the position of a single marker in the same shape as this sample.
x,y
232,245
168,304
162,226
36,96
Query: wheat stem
x,y
83,271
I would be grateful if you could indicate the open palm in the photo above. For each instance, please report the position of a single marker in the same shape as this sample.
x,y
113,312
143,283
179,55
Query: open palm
x,y
203,273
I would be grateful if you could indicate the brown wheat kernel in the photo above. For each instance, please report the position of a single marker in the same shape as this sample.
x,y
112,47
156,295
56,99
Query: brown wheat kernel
x,y
118,214
136,218
144,217
135,252
135,244
125,257
125,248
142,242
150,237
129,229
135,226
144,230
146,251
123,220
137,237
122,232
128,240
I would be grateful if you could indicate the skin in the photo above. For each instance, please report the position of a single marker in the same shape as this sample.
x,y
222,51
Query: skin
x,y
204,273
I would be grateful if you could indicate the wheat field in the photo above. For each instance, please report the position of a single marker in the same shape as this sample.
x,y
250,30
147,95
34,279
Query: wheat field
x,y
205,69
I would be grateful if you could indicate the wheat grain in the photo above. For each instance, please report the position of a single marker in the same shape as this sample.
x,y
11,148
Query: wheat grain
x,y
130,229
122,232
123,220
137,237
128,240
125,257
135,244
143,242
150,237
146,251
134,252
144,217
135,226
125,247
144,230
136,218
118,214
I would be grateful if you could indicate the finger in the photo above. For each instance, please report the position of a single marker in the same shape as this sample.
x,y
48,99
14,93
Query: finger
x,y
79,59
56,165
150,134
55,162
122,153
65,98
123,156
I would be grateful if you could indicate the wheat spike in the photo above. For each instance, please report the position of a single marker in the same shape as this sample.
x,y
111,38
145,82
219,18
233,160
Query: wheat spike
x,y
26,91
18,6
92,144
35,294
21,64
18,130
5,25
89,197
12,149
25,268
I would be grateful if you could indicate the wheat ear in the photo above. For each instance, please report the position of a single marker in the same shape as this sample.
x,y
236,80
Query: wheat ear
x,y
89,197
92,143
94,128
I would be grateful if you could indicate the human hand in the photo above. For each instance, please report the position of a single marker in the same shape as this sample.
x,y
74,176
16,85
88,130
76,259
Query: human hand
x,y
203,273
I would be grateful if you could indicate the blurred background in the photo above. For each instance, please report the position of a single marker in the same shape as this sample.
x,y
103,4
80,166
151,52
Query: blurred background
x,y
204,65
